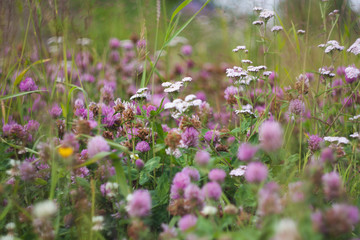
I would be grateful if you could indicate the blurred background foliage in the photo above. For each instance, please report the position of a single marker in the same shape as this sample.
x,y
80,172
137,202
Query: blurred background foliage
x,y
216,31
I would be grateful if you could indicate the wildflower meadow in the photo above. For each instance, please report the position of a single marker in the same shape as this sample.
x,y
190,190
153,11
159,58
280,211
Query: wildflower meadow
x,y
166,119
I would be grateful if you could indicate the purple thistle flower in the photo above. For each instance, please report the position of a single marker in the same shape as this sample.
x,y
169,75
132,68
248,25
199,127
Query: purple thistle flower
x,y
142,146
32,126
193,192
269,200
139,163
336,84
327,155
297,107
332,185
27,85
212,190
246,152
27,171
212,136
139,204
256,172
186,50
341,71
55,111
270,135
314,142
96,145
180,182
114,56
114,43
229,94
190,137
202,157
186,222
192,173
217,175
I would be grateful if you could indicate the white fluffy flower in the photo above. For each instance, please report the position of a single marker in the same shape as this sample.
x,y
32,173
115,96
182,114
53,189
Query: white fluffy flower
x,y
286,229
266,14
355,47
331,46
235,72
98,223
238,172
187,79
355,135
209,210
339,140
354,117
45,209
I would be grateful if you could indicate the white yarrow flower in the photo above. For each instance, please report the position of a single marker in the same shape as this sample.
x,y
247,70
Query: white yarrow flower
x,y
45,209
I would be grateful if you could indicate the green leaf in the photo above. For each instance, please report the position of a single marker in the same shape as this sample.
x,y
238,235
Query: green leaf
x,y
94,159
20,94
22,74
152,164
179,8
40,181
120,178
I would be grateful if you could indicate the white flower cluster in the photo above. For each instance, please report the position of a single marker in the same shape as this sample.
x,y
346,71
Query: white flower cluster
x,y
352,72
111,189
235,72
266,15
83,41
140,94
176,86
14,171
246,81
246,110
339,140
56,40
240,48
331,46
238,172
209,210
44,209
300,32
247,61
276,29
259,23
179,106
326,73
355,135
354,118
176,153
256,68
257,9
355,47
98,222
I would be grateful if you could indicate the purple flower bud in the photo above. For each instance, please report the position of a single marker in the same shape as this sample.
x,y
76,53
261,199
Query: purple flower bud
x,y
192,173
256,172
217,175
270,135
142,146
186,222
139,204
314,142
212,190
139,163
96,145
327,155
186,50
55,111
27,85
246,152
332,185
202,158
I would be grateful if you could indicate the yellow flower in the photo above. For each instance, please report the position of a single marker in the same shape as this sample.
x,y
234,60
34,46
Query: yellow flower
x,y
65,151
